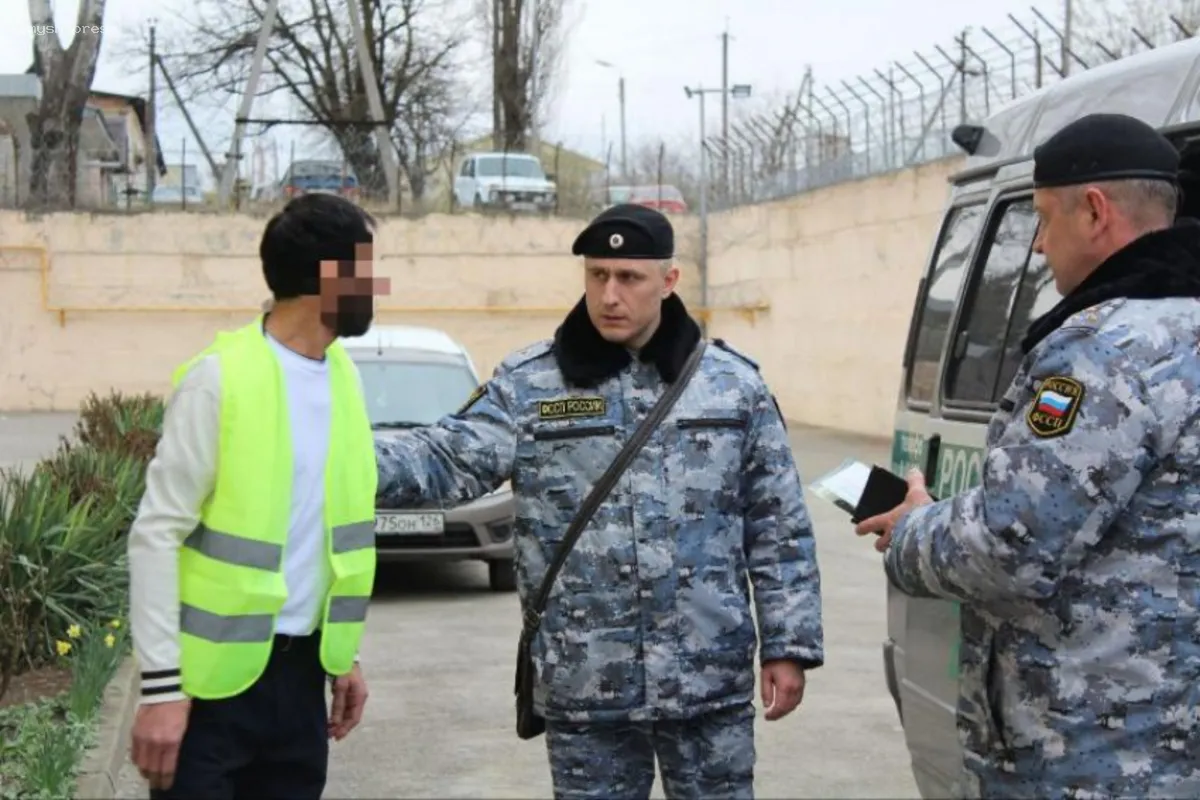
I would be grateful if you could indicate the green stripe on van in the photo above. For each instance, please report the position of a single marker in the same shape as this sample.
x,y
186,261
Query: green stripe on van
x,y
959,469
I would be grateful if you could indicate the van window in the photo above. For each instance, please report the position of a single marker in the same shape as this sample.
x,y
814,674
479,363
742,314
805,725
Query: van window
x,y
1036,296
980,345
958,235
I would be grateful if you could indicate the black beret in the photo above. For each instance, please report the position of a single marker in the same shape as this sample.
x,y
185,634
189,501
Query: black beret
x,y
1104,147
627,230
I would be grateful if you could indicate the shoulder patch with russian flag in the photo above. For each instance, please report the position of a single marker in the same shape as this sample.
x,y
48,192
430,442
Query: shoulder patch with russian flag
x,y
1055,406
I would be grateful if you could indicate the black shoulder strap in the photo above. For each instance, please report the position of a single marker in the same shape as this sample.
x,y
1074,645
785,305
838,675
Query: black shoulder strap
x,y
533,614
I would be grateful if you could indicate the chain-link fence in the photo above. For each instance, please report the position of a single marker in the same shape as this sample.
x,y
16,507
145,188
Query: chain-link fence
x,y
902,114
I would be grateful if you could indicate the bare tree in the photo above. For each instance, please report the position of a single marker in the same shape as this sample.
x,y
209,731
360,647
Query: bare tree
x,y
655,162
312,61
527,38
1103,31
66,75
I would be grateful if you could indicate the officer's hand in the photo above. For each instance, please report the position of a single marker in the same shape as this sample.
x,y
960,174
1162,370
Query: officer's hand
x,y
349,698
782,688
158,731
882,524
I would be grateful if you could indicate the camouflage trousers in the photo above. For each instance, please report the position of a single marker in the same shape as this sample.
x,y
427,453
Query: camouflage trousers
x,y
711,756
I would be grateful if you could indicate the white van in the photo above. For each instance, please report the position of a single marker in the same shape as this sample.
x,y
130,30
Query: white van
x,y
982,287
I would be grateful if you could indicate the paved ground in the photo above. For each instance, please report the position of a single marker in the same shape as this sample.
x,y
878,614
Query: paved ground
x,y
440,651
25,438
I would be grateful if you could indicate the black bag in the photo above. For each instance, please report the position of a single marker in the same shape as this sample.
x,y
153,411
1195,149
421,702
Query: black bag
x,y
529,724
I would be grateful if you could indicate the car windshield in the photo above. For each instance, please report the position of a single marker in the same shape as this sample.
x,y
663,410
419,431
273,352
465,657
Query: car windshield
x,y
515,167
401,393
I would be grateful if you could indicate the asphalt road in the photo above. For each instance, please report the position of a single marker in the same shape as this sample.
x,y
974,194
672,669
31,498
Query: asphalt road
x,y
440,651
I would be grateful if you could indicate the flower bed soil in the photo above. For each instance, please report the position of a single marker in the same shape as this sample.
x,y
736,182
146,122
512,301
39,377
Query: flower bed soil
x,y
29,687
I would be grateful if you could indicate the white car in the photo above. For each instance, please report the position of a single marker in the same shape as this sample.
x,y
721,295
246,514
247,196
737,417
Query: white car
x,y
412,377
511,181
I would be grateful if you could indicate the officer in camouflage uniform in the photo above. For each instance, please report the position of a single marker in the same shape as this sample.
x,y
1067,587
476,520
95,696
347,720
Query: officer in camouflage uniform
x,y
1077,559
647,644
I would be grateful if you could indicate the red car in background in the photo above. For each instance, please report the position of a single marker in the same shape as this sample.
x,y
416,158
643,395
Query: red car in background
x,y
663,197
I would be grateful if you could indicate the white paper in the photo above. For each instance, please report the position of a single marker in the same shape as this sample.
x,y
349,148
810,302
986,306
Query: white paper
x,y
843,486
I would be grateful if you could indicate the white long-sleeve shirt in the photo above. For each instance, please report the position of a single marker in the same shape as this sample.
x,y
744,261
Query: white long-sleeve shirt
x,y
181,476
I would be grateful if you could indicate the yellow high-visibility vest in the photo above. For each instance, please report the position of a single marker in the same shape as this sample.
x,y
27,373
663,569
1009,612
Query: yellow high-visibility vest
x,y
231,583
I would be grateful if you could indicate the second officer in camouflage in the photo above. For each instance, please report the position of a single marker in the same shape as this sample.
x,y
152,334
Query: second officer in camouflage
x,y
1075,559
648,642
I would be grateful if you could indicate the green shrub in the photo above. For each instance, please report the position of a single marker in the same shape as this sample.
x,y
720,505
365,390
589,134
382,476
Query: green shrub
x,y
58,566
63,526
120,423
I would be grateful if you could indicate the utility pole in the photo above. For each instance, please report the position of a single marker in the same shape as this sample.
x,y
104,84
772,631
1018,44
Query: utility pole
x,y
703,255
725,104
534,146
383,133
1068,13
152,122
621,103
624,160
230,173
739,90
497,123
187,116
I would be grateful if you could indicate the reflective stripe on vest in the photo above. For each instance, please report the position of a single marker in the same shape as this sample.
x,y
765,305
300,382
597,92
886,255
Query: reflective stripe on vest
x,y
240,552
231,581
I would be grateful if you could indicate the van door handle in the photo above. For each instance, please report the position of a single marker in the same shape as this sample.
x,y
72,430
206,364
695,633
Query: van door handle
x,y
960,344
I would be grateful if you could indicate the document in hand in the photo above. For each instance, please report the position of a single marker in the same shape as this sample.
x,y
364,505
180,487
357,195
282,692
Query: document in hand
x,y
861,490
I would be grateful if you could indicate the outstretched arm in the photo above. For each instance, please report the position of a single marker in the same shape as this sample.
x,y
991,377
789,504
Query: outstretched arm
x,y
460,458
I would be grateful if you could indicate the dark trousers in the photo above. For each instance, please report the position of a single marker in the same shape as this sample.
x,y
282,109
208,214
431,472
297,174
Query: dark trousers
x,y
707,757
271,741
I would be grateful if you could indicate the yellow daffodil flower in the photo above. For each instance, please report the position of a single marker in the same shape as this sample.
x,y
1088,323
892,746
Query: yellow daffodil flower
x,y
110,640
74,632
62,647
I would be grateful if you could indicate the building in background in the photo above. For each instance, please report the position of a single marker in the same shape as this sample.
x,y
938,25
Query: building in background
x,y
110,170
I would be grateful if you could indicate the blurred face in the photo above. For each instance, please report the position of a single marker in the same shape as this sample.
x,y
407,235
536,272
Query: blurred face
x,y
1078,229
348,290
624,297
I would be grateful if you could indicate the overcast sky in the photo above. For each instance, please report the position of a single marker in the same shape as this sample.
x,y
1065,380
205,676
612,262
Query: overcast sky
x,y
658,45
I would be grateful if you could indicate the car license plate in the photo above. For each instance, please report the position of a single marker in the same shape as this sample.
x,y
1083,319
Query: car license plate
x,y
523,206
407,524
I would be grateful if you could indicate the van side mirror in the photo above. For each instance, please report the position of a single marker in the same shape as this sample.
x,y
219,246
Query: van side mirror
x,y
550,176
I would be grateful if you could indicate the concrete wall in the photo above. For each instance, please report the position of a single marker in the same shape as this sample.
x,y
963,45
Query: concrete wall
x,y
839,267
99,301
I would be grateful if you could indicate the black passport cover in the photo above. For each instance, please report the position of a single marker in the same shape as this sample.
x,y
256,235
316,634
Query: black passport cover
x,y
884,491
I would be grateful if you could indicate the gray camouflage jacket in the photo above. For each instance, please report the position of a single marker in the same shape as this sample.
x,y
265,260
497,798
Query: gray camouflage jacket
x,y
651,615
1077,558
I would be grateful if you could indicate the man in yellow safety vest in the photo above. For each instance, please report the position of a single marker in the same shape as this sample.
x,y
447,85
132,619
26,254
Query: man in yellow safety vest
x,y
252,557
